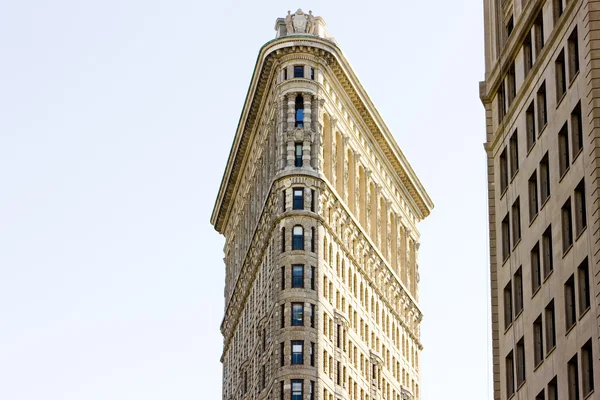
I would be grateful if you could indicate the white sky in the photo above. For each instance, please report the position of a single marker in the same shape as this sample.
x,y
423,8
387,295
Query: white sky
x,y
116,120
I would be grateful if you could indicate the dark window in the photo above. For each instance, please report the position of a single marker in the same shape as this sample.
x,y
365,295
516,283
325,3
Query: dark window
x,y
312,200
518,291
573,378
549,324
297,352
561,76
520,362
547,251
298,199
533,196
570,314
538,342
312,239
297,389
510,374
298,155
538,31
503,171
567,223
299,111
312,354
283,199
312,315
540,396
311,278
573,48
297,276
576,131
297,314
505,238
282,278
282,354
511,85
508,317
264,340
530,126
510,25
282,313
514,154
587,368
563,150
542,118
501,103
285,73
311,390
516,221
580,213
298,71
312,74
557,9
283,240
552,390
245,389
583,279
544,179
527,53
536,276
298,238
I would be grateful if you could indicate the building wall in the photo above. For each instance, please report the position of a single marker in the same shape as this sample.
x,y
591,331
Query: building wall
x,y
541,256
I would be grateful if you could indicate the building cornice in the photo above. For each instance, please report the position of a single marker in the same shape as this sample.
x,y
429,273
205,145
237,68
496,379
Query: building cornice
x,y
262,78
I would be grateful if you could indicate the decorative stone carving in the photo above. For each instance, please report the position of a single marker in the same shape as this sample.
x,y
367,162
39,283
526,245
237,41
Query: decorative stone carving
x,y
288,23
310,27
300,21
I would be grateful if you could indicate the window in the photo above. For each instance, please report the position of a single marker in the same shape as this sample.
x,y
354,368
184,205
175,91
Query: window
x,y
520,362
563,150
501,103
536,278
553,390
312,239
298,203
311,278
312,354
540,396
514,154
312,315
297,276
510,374
285,73
530,126
516,221
518,290
567,223
283,200
282,313
505,238
544,179
311,390
557,9
299,111
538,341
527,53
511,85
549,324
542,117
503,171
297,389
547,251
570,317
533,197
561,76
510,25
297,314
298,71
580,213
573,48
297,352
587,368
282,278
298,238
573,378
283,240
538,32
583,279
298,155
508,319
312,200
576,131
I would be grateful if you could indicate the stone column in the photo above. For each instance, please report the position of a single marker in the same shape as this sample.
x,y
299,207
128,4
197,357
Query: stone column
x,y
307,123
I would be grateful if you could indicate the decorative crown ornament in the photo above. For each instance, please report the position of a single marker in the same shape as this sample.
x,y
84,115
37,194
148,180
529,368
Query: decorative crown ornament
x,y
299,22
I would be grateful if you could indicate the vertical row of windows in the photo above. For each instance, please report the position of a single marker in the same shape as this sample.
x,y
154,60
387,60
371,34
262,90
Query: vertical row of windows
x,y
515,367
578,211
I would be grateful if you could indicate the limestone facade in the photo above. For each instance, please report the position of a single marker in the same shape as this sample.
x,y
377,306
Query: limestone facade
x,y
319,208
541,98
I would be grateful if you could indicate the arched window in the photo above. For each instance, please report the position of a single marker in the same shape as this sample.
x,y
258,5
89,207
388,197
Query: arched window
x,y
298,238
299,111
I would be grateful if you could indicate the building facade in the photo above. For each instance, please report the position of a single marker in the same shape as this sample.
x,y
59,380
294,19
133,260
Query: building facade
x,y
541,96
319,208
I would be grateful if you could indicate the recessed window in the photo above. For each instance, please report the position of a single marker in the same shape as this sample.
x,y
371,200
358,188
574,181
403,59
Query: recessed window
x,y
299,106
538,342
570,314
283,198
501,103
587,368
285,73
583,278
282,278
538,32
511,85
540,396
297,314
533,196
516,221
283,240
312,315
312,239
547,251
282,313
549,324
514,154
518,290
567,223
505,238
311,277
298,199
508,317
573,379
553,389
520,362
527,53
557,9
312,74
297,389
312,354
297,276
298,238
312,200
536,276
503,171
298,71
298,155
530,126
542,108
510,25
576,131
580,212
297,352
561,76
563,150
544,179
510,374
573,48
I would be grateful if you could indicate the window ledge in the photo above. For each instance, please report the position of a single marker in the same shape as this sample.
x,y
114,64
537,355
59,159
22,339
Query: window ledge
x,y
569,329
519,314
536,291
508,327
584,312
589,395
503,192
542,129
531,148
549,352
580,233
577,154
545,201
521,385
548,276
536,366
532,220
559,100
573,78
516,244
514,175
564,174
566,251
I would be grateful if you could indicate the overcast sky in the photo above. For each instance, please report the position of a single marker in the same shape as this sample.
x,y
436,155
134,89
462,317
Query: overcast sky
x,y
116,120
